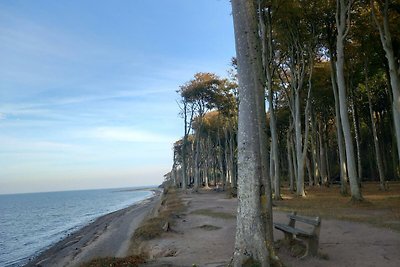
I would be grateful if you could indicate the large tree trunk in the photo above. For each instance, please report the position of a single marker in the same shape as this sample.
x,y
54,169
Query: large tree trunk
x,y
343,10
250,242
394,69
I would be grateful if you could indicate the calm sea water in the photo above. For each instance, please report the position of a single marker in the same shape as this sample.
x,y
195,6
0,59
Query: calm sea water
x,y
29,223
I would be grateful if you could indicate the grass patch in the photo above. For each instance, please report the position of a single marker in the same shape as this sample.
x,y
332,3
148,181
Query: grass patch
x,y
151,229
131,261
379,208
209,227
170,208
171,205
214,214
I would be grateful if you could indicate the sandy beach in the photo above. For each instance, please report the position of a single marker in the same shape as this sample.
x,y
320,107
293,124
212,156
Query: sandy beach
x,y
108,235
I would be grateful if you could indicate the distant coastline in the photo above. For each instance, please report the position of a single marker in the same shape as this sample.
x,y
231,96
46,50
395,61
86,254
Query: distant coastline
x,y
58,216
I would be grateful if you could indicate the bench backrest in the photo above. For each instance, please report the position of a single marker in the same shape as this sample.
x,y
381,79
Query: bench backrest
x,y
316,222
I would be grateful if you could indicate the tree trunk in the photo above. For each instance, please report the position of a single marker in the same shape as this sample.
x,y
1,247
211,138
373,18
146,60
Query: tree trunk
x,y
197,163
356,136
228,175
309,171
184,149
339,133
394,69
221,163
232,158
342,14
314,146
267,59
328,169
292,144
206,162
375,137
250,242
299,147
324,174
290,161
274,149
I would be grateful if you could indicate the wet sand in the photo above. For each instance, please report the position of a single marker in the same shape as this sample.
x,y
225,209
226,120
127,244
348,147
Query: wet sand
x,y
108,235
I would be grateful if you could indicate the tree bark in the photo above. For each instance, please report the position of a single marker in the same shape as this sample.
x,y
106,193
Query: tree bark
x,y
375,137
197,162
342,23
356,136
394,69
290,161
322,154
265,23
339,132
314,146
250,241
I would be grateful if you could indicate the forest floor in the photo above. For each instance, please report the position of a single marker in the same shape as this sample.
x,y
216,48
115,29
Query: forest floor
x,y
352,234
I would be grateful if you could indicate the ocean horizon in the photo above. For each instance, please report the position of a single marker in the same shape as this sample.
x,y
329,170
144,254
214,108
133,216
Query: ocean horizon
x,y
32,222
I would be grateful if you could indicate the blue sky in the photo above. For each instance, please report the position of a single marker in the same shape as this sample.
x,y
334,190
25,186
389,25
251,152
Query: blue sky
x,y
87,88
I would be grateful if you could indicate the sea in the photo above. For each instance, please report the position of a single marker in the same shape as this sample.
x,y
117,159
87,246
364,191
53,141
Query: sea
x,y
30,223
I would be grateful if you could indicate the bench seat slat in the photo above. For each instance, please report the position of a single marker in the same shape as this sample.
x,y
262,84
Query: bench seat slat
x,y
295,231
314,222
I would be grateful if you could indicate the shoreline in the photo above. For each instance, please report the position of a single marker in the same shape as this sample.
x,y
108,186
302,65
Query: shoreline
x,y
108,235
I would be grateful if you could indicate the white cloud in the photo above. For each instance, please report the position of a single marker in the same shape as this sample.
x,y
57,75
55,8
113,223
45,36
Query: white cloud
x,y
122,134
19,145
2,116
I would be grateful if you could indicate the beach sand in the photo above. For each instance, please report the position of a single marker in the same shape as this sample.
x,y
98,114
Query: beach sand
x,y
108,235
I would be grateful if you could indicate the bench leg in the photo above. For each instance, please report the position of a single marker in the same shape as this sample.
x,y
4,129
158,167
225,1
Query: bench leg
x,y
288,237
312,247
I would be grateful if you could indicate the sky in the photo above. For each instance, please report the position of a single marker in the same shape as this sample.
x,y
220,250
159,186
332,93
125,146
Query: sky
x,y
88,88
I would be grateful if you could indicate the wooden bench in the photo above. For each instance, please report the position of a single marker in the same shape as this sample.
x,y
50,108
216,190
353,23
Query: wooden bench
x,y
311,238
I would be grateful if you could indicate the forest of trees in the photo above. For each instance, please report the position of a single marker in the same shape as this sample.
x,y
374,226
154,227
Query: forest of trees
x,y
313,98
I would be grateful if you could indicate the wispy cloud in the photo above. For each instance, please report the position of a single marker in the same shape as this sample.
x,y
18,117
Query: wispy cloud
x,y
122,134
20,145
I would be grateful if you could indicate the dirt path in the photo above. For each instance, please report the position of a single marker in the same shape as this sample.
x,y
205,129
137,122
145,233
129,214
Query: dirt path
x,y
204,236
